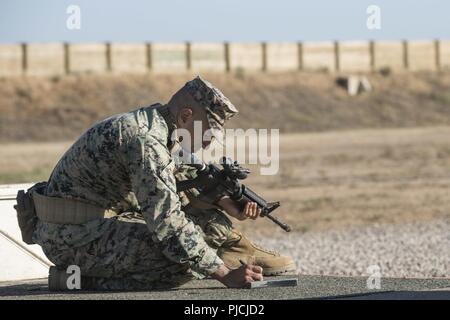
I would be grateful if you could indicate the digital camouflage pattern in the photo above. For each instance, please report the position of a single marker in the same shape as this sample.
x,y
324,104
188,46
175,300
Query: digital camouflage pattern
x,y
124,256
219,108
123,163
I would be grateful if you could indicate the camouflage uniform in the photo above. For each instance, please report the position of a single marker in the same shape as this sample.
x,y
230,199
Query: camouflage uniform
x,y
124,163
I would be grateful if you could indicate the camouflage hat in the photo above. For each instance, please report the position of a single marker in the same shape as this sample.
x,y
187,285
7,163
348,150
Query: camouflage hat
x,y
218,108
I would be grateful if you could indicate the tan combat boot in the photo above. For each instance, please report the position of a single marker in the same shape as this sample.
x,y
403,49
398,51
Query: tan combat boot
x,y
243,249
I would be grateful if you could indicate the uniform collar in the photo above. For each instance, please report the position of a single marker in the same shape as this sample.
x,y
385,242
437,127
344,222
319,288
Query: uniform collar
x,y
169,119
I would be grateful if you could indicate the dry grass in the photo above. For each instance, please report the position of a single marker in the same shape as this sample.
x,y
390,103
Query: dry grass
x,y
326,180
45,109
25,162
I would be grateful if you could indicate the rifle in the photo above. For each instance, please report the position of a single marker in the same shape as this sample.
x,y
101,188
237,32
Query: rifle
x,y
213,183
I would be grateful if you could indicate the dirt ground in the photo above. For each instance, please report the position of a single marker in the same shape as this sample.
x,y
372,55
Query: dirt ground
x,y
326,180
340,179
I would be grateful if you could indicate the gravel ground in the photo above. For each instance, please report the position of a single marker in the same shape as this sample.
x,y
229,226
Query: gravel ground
x,y
408,250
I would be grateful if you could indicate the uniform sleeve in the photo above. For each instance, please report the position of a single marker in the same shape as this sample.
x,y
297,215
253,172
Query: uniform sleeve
x,y
151,171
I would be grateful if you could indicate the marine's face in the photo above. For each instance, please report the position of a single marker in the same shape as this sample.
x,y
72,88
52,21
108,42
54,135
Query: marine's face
x,y
196,123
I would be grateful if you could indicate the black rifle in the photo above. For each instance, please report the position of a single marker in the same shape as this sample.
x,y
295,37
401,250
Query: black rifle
x,y
213,183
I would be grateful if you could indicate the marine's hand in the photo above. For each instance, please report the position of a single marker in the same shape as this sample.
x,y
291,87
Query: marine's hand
x,y
238,278
233,208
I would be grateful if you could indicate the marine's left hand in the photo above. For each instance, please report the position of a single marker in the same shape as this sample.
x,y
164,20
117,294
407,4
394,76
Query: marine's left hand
x,y
250,210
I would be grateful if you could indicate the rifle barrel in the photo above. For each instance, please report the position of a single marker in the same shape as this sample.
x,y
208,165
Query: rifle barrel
x,y
281,224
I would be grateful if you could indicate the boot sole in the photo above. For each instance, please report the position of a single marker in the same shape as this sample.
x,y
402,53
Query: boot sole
x,y
279,271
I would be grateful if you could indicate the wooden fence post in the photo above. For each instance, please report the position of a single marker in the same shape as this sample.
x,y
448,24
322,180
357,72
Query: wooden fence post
x,y
108,57
264,56
148,54
188,56
405,55
24,48
337,57
226,47
437,54
300,55
66,58
372,55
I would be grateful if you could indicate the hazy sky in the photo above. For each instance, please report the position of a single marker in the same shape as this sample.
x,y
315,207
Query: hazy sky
x,y
221,20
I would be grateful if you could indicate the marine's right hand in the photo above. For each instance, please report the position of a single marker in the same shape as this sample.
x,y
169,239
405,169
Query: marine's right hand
x,y
238,278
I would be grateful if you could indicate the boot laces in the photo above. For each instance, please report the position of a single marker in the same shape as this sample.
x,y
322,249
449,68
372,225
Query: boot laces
x,y
257,246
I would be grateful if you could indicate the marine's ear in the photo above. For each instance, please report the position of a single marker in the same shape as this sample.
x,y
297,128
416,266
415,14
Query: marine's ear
x,y
185,114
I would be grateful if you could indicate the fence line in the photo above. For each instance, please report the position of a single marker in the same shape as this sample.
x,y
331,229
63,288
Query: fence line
x,y
64,58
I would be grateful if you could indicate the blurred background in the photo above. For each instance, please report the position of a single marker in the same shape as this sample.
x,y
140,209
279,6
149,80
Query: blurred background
x,y
360,91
